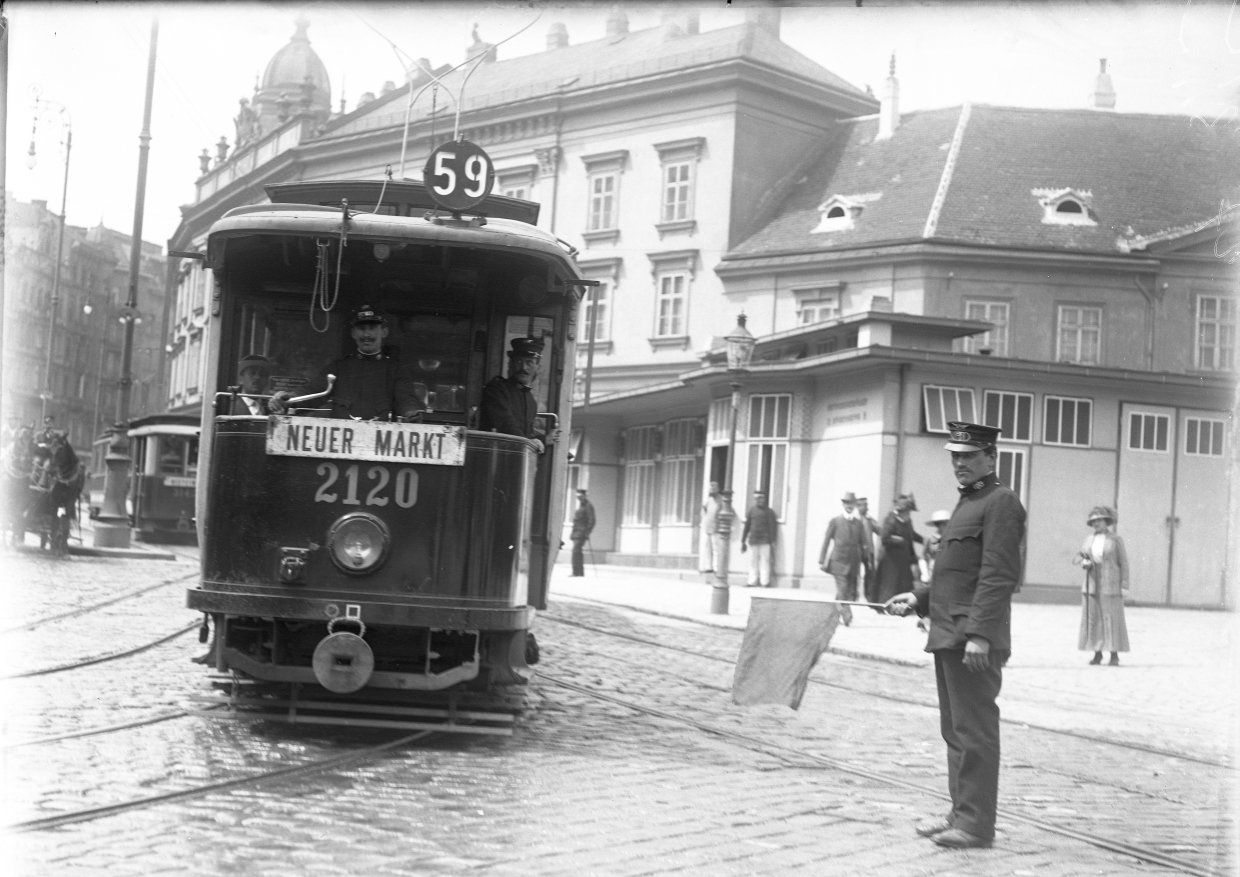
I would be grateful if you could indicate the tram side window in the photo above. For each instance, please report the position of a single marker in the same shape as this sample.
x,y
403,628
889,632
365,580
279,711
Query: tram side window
x,y
178,455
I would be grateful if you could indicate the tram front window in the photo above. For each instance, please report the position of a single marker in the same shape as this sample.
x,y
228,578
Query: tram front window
x,y
178,456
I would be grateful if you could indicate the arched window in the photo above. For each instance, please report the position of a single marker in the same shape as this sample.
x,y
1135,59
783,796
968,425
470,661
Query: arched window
x,y
1069,206
836,212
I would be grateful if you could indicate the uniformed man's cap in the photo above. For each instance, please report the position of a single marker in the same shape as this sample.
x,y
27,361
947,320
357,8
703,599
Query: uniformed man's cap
x,y
969,437
254,360
367,314
527,347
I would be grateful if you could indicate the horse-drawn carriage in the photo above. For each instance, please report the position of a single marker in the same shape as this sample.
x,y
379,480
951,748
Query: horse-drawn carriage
x,y
43,481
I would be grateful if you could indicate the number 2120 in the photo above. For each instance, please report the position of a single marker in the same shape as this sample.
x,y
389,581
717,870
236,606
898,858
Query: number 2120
x,y
405,491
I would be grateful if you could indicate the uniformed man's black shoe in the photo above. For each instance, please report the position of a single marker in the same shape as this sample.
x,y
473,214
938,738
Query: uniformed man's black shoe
x,y
959,839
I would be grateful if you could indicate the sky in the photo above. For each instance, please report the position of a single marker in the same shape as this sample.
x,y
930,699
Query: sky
x,y
91,58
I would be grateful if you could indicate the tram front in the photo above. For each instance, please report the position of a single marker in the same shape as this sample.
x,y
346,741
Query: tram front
x,y
358,527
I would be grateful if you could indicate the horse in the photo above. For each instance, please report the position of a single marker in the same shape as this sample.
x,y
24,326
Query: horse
x,y
16,492
58,477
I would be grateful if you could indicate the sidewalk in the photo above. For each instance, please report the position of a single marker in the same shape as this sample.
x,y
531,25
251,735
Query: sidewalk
x,y
1176,689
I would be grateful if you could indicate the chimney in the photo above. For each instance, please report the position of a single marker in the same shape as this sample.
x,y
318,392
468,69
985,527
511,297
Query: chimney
x,y
617,22
557,36
387,87
1103,97
678,22
764,17
889,106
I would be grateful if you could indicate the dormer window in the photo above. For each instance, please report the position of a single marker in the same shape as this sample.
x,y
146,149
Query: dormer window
x,y
840,212
1066,206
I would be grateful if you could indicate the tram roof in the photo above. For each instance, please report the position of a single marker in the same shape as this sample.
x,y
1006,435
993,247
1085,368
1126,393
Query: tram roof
x,y
321,221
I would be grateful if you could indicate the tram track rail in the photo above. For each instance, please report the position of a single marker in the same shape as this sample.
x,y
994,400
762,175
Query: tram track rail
x,y
94,607
801,757
102,658
89,814
1021,723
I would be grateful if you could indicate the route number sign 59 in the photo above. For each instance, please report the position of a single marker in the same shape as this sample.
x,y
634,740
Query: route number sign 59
x,y
458,175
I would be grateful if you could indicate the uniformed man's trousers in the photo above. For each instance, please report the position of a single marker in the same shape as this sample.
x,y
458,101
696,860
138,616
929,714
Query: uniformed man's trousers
x,y
969,719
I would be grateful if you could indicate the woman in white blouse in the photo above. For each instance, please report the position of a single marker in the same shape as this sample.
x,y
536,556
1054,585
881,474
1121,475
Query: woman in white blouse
x,y
1106,585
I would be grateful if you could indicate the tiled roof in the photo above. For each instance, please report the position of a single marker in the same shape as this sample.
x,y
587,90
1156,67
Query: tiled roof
x,y
1147,173
601,62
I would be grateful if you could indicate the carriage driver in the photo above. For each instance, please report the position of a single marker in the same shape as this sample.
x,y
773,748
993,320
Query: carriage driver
x,y
370,385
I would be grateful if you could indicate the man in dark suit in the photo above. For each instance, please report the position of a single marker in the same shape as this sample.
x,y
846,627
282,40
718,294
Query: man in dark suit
x,y
845,549
969,601
583,526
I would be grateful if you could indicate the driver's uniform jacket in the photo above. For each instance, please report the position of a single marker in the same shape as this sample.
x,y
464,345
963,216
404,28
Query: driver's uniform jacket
x,y
978,568
369,388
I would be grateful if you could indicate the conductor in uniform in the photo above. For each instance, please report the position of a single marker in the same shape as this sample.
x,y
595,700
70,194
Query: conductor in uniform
x,y
508,403
370,384
969,601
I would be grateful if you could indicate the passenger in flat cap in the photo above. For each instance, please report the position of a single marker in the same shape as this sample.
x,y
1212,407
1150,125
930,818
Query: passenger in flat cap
x,y
508,403
370,384
253,374
1105,560
969,601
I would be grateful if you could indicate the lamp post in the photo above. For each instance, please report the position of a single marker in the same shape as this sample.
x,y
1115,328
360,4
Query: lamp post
x,y
112,525
740,344
44,106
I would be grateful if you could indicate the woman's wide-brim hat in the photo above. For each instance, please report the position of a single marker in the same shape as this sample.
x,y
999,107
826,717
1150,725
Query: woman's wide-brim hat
x,y
1101,513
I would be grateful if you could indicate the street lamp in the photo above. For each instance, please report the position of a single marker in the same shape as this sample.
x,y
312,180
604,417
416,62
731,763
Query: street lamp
x,y
740,344
42,106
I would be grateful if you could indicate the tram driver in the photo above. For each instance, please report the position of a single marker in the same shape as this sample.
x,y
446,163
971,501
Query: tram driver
x,y
370,384
508,403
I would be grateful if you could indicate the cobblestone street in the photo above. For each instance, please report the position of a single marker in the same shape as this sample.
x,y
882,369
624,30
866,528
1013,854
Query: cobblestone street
x,y
664,776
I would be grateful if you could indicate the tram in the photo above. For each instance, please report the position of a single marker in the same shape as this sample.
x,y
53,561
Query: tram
x,y
381,565
160,494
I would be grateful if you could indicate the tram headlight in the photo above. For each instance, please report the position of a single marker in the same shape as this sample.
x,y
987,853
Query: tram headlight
x,y
358,543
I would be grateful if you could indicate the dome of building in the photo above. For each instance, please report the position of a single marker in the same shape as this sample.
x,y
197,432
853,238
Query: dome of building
x,y
293,75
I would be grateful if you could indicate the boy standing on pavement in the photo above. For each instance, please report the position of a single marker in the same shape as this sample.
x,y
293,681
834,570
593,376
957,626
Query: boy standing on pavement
x,y
969,601
759,534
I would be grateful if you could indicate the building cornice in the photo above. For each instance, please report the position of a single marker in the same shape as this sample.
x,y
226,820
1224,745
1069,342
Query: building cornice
x,y
796,261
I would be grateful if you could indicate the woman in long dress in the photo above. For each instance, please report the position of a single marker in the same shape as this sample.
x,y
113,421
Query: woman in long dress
x,y
895,568
1106,585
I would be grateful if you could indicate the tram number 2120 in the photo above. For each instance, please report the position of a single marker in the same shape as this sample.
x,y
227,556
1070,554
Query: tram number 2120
x,y
403,488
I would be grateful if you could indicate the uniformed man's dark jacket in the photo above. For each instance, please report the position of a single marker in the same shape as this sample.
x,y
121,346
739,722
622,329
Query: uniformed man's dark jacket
x,y
509,407
977,570
369,388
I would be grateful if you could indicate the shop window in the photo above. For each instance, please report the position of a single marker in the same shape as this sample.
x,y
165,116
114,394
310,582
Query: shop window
x,y
1011,412
945,404
1067,421
680,475
769,430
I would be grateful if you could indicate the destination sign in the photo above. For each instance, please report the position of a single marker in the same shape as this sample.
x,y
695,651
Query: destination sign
x,y
428,444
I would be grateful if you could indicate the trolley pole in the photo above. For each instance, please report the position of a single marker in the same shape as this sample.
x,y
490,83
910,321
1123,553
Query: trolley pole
x,y
112,528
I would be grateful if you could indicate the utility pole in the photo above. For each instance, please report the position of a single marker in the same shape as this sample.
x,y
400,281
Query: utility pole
x,y
112,528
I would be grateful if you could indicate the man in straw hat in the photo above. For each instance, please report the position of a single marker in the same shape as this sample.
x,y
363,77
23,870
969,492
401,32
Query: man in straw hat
x,y
845,549
969,601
